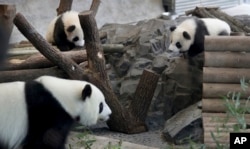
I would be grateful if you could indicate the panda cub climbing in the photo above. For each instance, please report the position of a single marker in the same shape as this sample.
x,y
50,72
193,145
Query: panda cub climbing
x,y
65,31
38,114
190,34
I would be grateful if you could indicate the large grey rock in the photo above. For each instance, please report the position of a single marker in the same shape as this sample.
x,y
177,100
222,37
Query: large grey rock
x,y
138,66
128,87
183,87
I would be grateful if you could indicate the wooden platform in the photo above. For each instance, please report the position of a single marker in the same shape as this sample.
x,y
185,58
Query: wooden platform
x,y
226,61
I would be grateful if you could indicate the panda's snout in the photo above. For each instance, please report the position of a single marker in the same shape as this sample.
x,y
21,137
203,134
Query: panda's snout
x,y
80,43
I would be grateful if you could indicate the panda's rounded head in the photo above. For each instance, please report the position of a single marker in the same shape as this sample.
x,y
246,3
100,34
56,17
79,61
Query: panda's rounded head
x,y
180,40
72,28
182,36
82,100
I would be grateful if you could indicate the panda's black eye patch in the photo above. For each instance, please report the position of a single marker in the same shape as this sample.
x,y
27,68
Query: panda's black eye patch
x,y
71,28
100,107
76,38
178,45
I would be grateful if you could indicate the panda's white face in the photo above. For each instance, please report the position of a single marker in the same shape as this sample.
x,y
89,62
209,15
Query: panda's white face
x,y
75,35
94,106
180,40
73,28
82,100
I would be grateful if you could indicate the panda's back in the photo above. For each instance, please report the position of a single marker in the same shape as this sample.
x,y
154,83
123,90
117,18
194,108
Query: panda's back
x,y
216,27
13,114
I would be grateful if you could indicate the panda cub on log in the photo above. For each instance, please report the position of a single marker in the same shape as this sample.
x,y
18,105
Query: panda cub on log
x,y
190,34
65,31
39,114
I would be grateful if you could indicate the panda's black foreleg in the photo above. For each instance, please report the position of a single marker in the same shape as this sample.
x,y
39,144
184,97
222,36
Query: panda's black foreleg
x,y
50,140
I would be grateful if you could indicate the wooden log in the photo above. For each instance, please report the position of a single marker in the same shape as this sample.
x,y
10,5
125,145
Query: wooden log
x,y
227,43
39,61
95,56
141,100
94,6
227,59
214,90
219,105
181,120
30,74
215,121
7,14
225,75
64,5
113,48
200,12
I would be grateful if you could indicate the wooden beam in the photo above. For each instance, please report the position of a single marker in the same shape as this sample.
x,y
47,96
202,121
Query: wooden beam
x,y
225,75
215,90
227,43
218,105
227,59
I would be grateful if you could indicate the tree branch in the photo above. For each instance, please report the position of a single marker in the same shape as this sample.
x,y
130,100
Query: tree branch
x,y
64,5
94,6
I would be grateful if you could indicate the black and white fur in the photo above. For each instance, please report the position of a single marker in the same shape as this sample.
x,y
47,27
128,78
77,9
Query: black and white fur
x,y
65,31
38,114
189,35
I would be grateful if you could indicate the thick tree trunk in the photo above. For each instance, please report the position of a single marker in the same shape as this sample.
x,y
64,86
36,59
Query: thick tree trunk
x,y
141,100
122,120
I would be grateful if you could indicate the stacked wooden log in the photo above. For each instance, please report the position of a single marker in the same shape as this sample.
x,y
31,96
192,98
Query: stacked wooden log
x,y
226,61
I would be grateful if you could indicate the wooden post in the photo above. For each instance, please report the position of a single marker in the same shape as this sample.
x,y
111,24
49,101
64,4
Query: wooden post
x,y
7,14
141,101
94,6
64,5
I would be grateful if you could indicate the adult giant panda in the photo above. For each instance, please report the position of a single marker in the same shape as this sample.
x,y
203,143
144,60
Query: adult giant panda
x,y
65,31
189,35
38,114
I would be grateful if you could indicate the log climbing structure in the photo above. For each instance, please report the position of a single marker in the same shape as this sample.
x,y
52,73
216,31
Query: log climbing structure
x,y
226,62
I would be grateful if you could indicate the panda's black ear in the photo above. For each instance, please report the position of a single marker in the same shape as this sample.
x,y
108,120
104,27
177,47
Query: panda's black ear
x,y
86,92
71,28
172,28
186,35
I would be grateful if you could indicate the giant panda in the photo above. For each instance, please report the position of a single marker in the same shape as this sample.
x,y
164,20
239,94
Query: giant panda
x,y
65,31
38,114
190,34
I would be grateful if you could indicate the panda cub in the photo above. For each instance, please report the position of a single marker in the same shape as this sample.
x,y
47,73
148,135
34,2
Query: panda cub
x,y
190,34
65,31
39,114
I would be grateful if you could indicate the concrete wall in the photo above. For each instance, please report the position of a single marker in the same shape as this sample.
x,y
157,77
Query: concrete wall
x,y
40,12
